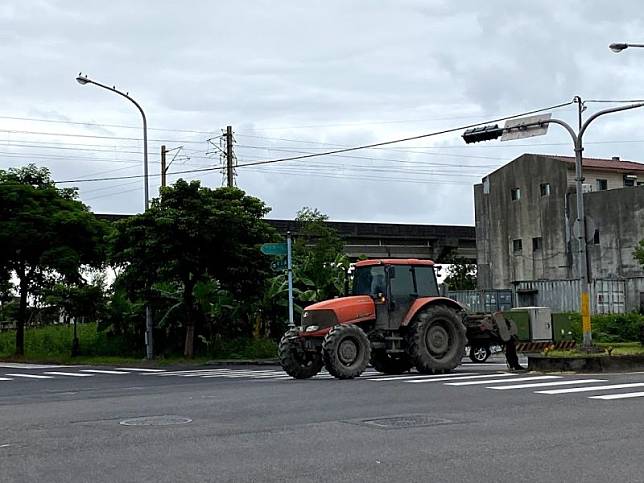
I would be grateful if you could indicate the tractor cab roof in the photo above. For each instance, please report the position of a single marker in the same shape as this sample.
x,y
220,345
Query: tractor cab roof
x,y
394,261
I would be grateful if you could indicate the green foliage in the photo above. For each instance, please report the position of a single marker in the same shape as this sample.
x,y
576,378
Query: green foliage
x,y
205,244
320,265
46,235
639,253
56,341
609,328
241,348
461,275
87,301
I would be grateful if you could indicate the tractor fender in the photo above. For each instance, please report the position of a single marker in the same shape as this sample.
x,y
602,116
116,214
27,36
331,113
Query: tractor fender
x,y
422,302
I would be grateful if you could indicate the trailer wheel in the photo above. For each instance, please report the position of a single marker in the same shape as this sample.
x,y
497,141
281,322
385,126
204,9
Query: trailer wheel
x,y
479,353
436,339
346,351
385,363
294,360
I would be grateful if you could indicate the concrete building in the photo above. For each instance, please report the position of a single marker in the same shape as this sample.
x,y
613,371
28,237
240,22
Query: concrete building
x,y
525,220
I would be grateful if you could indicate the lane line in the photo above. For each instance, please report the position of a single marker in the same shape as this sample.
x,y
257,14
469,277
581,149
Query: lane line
x,y
30,376
138,369
593,388
608,397
494,381
462,378
545,384
420,376
5,379
103,371
72,374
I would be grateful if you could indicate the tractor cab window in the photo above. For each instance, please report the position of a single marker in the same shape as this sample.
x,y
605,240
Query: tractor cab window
x,y
369,281
413,281
426,281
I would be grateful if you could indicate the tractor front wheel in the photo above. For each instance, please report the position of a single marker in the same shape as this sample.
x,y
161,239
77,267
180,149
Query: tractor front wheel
x,y
436,339
385,363
295,361
346,351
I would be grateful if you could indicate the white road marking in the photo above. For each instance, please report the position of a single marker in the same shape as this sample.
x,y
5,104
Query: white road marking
x,y
494,381
593,388
618,396
30,376
102,371
19,365
5,379
420,376
545,384
138,369
461,378
72,374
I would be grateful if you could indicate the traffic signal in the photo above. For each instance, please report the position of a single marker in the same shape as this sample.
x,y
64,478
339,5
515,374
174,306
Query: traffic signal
x,y
484,133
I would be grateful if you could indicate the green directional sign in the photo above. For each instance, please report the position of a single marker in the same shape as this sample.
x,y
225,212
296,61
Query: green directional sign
x,y
274,249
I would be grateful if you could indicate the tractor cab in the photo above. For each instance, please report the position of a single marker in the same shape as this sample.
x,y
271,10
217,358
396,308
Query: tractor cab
x,y
395,285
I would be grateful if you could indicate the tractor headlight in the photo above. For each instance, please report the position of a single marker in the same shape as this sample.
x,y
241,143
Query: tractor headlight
x,y
312,328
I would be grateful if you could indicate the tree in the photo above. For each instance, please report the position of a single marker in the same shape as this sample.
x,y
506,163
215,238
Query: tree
x,y
461,275
45,235
193,234
319,260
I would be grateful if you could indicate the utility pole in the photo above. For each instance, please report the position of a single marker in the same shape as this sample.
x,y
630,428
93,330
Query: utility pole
x,y
230,174
164,170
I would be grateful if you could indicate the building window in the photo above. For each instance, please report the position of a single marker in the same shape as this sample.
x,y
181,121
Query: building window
x,y
602,184
629,180
545,189
516,246
537,242
516,194
486,186
596,237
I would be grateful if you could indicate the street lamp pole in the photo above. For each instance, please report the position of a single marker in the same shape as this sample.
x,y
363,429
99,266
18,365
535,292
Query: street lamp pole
x,y
617,48
83,80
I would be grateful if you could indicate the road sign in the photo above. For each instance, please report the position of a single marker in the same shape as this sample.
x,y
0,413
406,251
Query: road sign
x,y
274,249
526,127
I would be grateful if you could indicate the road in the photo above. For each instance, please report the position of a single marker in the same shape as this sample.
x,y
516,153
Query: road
x,y
252,423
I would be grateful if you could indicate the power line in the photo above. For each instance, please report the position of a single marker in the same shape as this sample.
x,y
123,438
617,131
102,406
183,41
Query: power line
x,y
344,150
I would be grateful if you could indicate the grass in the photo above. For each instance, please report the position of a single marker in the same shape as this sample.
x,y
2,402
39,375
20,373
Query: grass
x,y
52,344
618,349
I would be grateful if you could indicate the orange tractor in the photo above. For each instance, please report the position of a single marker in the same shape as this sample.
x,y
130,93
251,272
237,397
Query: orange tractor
x,y
395,319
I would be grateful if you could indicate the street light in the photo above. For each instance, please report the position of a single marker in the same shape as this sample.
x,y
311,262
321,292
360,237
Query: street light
x,y
83,80
493,132
617,48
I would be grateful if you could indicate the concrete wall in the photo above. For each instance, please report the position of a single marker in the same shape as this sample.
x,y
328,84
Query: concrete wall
x,y
500,220
618,216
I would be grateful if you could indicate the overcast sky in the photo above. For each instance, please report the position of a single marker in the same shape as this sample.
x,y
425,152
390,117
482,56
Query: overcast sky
x,y
296,77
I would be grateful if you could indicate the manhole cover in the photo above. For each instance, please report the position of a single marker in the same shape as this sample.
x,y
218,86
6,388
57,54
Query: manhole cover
x,y
400,422
155,421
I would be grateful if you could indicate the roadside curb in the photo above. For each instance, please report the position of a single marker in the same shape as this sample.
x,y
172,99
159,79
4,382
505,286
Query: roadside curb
x,y
586,364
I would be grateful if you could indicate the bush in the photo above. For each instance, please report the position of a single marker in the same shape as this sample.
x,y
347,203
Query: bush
x,y
609,327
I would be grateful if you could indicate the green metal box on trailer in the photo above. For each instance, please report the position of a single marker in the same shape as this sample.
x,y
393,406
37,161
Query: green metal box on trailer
x,y
534,324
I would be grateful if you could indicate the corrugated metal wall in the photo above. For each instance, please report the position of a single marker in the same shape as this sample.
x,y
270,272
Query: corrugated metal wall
x,y
607,296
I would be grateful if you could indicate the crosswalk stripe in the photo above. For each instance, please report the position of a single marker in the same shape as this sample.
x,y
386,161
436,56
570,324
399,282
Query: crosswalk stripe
x,y
592,388
102,371
494,381
545,384
461,378
72,374
139,369
618,396
5,379
419,376
29,376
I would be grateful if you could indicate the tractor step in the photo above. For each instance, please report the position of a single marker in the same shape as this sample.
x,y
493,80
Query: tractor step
x,y
395,351
394,337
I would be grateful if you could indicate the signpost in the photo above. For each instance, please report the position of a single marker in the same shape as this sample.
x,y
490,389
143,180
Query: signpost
x,y
280,250
526,127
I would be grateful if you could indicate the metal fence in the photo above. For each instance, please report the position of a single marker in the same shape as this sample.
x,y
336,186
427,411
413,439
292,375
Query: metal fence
x,y
608,296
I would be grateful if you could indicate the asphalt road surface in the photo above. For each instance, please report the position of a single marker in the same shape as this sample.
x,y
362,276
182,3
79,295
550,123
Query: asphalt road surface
x,y
253,424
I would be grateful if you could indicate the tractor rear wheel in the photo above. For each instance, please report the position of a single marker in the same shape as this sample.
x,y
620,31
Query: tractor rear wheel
x,y
436,339
385,363
346,351
295,361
